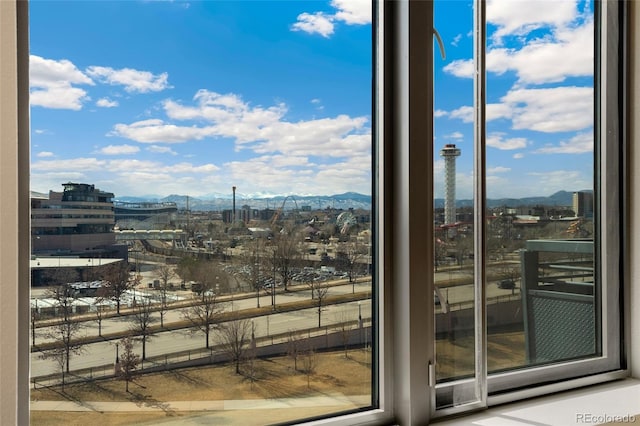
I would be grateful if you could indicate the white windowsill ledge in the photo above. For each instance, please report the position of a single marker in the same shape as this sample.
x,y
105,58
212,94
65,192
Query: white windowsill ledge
x,y
614,403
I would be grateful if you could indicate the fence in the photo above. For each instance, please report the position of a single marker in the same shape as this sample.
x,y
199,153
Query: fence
x,y
347,334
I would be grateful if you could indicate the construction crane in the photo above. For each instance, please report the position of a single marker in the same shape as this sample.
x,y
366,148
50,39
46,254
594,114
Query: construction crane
x,y
278,212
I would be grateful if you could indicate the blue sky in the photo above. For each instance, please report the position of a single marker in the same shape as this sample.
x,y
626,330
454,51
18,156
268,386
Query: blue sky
x,y
274,97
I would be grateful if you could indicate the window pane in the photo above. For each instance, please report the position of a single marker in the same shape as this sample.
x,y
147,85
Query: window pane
x,y
541,305
202,227
454,203
549,265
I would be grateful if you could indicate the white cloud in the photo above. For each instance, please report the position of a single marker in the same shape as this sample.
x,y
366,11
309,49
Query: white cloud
x,y
44,154
52,84
462,68
549,182
51,73
350,12
134,81
548,60
567,51
518,156
518,17
498,111
496,140
156,131
498,169
560,109
317,23
456,40
454,135
277,172
161,150
579,144
353,12
119,150
60,97
263,130
73,164
464,113
106,103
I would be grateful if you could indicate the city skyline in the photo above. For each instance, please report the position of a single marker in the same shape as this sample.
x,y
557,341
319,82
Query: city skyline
x,y
192,98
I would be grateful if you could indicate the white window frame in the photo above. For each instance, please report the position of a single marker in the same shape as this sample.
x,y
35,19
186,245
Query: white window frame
x,y
531,381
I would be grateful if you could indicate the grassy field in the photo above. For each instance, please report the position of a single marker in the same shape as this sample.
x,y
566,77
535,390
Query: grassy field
x,y
273,378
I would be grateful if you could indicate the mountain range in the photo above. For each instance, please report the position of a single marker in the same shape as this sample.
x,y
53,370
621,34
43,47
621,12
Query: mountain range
x,y
338,201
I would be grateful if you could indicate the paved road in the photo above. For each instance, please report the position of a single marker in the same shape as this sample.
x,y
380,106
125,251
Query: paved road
x,y
103,353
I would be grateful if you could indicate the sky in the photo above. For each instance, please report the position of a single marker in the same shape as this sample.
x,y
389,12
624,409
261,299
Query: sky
x,y
152,98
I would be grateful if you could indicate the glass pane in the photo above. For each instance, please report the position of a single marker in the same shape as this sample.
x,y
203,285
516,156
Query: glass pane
x,y
541,291
201,183
454,205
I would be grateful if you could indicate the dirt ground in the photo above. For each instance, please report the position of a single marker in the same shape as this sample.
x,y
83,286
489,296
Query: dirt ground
x,y
273,378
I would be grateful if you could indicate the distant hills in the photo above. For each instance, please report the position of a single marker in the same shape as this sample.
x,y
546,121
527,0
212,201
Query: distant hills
x,y
212,202
560,198
337,201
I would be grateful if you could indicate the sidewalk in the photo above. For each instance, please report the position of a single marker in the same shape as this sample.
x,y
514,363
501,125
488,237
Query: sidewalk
x,y
347,402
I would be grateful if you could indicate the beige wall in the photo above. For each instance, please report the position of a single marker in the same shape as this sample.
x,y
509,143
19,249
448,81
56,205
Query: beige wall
x,y
14,215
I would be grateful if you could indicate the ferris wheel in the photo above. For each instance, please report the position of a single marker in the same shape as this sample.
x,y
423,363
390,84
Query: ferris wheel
x,y
345,221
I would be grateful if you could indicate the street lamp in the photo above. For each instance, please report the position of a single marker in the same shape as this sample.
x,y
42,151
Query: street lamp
x,y
116,366
253,336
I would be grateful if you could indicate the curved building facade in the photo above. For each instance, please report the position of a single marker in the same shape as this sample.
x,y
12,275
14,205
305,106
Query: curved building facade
x,y
77,221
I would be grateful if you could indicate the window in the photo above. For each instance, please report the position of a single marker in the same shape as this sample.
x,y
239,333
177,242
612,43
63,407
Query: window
x,y
234,153
527,284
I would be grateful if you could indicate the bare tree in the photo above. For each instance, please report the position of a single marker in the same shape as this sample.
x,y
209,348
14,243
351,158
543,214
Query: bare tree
x,y
141,322
309,364
321,291
100,314
285,255
211,278
251,357
35,316
186,268
294,347
119,281
252,268
235,337
204,315
60,276
66,330
350,257
344,327
128,362
164,274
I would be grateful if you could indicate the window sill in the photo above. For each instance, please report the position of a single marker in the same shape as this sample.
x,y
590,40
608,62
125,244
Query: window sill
x,y
614,403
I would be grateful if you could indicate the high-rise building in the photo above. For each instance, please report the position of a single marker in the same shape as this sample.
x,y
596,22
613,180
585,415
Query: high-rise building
x,y
583,204
450,153
77,221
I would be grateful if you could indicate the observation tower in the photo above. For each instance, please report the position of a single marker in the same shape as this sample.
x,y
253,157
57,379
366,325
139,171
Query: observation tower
x,y
450,153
